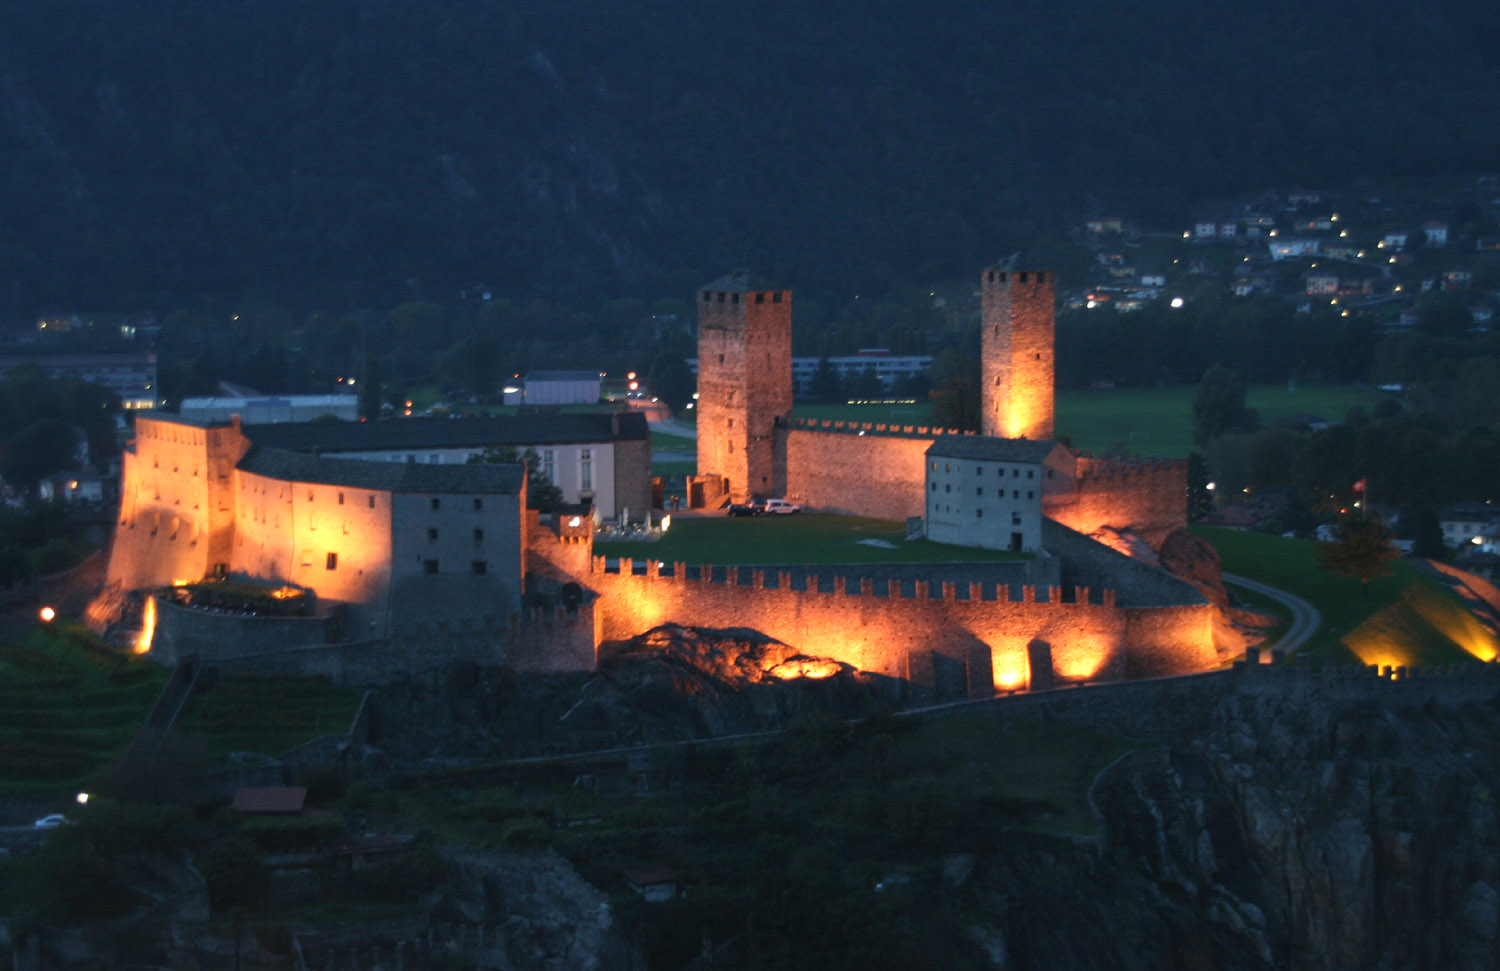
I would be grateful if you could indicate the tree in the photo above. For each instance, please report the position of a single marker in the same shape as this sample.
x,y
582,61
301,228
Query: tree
x,y
1219,405
1200,497
1361,549
38,450
541,493
671,380
825,381
955,395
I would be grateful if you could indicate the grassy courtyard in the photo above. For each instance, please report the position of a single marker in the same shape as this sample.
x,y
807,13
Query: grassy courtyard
x,y
1404,618
800,538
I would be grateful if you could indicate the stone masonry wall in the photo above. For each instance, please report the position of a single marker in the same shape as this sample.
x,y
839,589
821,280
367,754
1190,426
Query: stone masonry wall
x,y
900,635
1016,354
831,466
1146,495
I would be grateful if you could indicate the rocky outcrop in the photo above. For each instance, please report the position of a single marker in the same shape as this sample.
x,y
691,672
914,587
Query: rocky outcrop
x,y
669,684
1293,836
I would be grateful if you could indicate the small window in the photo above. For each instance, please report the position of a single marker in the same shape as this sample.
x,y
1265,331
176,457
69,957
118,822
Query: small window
x,y
1030,494
934,487
372,502
721,358
478,504
332,562
1031,473
776,297
760,298
429,566
431,535
479,536
1015,493
947,487
1015,473
341,498
1015,519
309,495
979,514
979,491
479,568
437,503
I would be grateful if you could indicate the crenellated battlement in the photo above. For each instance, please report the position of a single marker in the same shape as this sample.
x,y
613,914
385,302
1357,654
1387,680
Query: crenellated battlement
x,y
807,582
868,428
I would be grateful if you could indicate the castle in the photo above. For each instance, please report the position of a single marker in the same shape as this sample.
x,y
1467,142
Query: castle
x,y
749,444
418,566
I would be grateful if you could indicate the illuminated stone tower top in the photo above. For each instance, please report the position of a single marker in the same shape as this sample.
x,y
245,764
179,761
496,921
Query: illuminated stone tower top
x,y
1017,360
744,380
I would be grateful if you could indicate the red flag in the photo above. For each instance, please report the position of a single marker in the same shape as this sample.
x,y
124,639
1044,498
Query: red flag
x,y
1359,486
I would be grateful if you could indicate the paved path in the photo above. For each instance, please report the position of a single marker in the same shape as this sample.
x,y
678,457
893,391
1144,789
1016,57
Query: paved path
x,y
668,426
1305,617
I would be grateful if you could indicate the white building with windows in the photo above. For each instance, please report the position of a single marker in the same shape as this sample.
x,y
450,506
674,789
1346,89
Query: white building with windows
x,y
987,492
601,458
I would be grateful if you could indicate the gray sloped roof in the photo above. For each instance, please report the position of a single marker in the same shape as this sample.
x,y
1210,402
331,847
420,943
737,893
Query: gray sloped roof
x,y
481,478
986,448
740,281
418,433
562,376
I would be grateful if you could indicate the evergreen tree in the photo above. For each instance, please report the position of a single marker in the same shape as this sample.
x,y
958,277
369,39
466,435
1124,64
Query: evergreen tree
x,y
825,382
541,493
1219,405
1200,498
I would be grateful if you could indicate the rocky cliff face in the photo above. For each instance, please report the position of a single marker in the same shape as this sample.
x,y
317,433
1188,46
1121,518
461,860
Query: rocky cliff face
x,y
668,684
1293,836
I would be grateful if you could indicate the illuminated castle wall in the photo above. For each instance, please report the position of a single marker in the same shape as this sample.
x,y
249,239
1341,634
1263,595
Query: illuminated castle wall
x,y
913,632
1018,372
395,543
744,380
744,390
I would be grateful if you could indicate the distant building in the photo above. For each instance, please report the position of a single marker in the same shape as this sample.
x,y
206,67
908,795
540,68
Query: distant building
x,y
562,388
1436,232
268,410
1465,523
1289,247
130,375
890,369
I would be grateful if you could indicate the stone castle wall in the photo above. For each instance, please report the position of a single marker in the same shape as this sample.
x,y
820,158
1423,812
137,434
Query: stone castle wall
x,y
866,469
901,633
1146,495
1016,354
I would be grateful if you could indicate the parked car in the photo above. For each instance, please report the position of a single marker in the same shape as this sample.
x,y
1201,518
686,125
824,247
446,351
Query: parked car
x,y
740,509
51,822
781,507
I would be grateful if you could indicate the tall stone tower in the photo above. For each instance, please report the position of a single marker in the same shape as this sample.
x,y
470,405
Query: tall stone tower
x,y
1016,357
744,381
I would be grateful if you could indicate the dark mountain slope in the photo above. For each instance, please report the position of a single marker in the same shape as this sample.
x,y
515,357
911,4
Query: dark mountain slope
x,y
339,150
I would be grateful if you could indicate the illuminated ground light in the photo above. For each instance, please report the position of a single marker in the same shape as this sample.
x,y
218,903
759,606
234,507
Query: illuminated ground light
x,y
148,627
1010,674
47,614
805,667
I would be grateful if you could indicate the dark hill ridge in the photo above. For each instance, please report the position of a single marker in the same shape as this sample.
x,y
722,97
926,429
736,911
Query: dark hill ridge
x,y
344,150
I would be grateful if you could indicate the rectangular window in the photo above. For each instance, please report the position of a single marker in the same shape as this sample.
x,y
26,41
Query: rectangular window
x,y
332,562
586,468
479,536
979,514
341,498
478,504
437,503
429,566
431,535
1031,473
479,568
372,502
979,491
434,458
1015,519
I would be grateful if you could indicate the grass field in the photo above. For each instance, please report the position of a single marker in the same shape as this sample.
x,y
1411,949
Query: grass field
x,y
1148,421
793,539
1159,421
242,713
1405,618
68,706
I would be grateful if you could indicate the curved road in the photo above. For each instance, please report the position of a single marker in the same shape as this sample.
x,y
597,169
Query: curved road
x,y
1305,617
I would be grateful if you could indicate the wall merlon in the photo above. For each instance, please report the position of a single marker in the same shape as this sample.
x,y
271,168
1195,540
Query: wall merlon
x,y
840,586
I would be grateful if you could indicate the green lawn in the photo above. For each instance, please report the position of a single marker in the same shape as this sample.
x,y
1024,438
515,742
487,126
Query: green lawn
x,y
243,713
662,442
797,539
1159,421
1148,421
68,705
1405,618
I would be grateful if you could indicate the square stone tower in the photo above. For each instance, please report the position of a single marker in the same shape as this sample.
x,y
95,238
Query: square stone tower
x,y
744,381
1016,356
